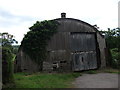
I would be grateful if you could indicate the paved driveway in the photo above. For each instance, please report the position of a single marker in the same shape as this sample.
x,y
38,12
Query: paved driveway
x,y
100,80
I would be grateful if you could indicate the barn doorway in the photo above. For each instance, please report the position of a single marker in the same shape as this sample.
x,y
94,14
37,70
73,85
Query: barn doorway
x,y
83,51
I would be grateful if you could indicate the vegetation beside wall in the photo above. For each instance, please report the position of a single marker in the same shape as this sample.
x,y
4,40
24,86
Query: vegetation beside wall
x,y
7,65
7,57
112,37
35,41
115,58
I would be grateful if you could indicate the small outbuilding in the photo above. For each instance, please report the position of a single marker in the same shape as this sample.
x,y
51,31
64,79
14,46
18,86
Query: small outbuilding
x,y
76,46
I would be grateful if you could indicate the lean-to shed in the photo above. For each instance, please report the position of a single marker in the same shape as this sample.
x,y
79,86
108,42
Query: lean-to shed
x,y
76,46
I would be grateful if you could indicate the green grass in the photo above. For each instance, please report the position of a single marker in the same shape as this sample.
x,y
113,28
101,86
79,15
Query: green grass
x,y
110,70
44,80
103,70
51,80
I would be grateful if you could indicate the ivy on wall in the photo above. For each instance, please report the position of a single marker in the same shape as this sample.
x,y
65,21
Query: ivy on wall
x,y
35,41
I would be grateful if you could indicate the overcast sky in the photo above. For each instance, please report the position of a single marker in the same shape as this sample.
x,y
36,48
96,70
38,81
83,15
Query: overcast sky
x,y
16,16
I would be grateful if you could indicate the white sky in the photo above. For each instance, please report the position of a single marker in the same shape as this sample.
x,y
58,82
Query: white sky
x,y
16,16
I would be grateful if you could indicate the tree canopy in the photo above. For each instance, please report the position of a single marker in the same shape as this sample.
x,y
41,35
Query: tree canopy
x,y
112,37
7,39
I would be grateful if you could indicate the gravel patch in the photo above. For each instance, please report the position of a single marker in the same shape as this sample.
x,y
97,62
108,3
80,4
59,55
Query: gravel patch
x,y
100,80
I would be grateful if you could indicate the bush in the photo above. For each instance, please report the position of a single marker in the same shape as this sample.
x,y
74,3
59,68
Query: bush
x,y
115,58
7,65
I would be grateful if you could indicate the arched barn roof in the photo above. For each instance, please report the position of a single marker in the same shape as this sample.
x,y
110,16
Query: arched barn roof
x,y
76,46
79,21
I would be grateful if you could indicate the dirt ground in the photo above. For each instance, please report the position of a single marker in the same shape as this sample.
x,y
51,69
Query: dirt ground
x,y
100,80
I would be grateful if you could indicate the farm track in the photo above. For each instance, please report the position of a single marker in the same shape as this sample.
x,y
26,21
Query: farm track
x,y
100,80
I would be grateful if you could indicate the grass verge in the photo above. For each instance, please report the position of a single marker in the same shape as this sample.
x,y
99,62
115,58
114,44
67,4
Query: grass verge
x,y
44,80
110,70
103,70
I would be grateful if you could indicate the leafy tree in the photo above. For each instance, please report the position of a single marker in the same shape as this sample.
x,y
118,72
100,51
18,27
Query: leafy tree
x,y
7,57
112,37
7,40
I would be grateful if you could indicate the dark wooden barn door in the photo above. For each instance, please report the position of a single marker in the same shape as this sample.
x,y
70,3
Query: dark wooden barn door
x,y
83,51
